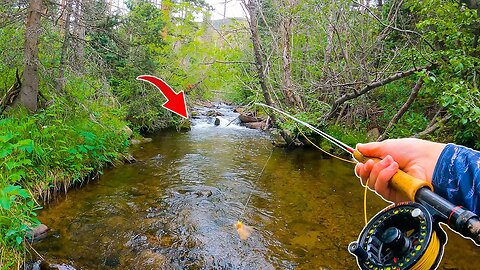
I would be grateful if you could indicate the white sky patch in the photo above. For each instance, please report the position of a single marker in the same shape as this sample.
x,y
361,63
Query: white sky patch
x,y
233,10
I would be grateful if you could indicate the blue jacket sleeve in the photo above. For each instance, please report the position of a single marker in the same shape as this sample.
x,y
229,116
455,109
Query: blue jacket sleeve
x,y
457,176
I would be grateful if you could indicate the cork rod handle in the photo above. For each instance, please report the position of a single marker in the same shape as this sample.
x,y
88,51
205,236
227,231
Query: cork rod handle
x,y
401,181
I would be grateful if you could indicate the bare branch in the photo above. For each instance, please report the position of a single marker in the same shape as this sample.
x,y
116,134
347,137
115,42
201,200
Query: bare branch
x,y
371,86
432,128
393,27
403,109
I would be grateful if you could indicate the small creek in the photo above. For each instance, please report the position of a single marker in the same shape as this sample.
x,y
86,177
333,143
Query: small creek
x,y
176,208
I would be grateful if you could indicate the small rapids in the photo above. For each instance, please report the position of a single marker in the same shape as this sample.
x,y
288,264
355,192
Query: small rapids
x,y
176,208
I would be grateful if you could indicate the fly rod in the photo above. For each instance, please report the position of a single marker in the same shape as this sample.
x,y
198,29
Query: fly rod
x,y
459,219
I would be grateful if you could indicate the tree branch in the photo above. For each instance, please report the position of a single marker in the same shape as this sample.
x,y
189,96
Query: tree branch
x,y
403,109
431,128
371,86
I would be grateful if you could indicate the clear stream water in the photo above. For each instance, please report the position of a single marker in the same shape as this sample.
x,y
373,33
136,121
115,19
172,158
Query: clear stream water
x,y
176,208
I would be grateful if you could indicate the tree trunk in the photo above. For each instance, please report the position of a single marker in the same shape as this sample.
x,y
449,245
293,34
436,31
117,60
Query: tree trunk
x,y
79,31
166,9
66,40
29,92
403,109
288,89
327,56
252,11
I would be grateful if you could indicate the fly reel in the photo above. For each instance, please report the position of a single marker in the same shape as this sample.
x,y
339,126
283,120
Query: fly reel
x,y
404,236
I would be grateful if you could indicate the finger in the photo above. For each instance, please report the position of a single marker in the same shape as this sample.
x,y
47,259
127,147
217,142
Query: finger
x,y
358,169
377,168
364,170
383,179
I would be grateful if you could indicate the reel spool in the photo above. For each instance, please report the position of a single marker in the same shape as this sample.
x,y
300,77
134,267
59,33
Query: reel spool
x,y
400,237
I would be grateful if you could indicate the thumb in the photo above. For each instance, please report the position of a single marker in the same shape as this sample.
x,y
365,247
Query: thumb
x,y
374,149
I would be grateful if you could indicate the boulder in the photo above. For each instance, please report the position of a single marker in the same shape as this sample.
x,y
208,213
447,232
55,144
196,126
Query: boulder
x,y
277,139
248,119
194,114
238,110
38,232
143,140
217,121
213,113
135,141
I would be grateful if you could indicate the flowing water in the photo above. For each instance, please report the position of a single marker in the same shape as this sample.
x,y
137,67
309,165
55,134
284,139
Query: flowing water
x,y
176,208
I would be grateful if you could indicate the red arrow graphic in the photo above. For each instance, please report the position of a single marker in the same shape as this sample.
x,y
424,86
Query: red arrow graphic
x,y
175,102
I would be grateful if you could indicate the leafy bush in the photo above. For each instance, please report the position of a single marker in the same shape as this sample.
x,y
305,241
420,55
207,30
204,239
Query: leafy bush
x,y
53,149
17,216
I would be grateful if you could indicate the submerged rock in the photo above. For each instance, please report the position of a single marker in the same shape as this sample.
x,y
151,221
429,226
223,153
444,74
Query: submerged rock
x,y
136,241
153,259
212,113
38,232
134,141
44,265
143,140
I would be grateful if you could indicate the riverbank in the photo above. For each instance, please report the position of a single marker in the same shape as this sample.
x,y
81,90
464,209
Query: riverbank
x,y
45,153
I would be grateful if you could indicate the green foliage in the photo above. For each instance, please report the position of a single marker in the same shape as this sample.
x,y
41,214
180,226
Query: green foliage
x,y
453,85
347,135
17,217
49,150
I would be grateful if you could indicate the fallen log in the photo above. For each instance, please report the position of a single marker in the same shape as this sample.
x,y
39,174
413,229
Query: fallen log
x,y
248,119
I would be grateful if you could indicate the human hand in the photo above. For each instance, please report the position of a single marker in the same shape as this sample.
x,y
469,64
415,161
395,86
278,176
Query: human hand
x,y
414,156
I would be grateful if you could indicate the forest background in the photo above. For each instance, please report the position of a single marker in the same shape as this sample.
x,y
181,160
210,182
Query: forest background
x,y
360,70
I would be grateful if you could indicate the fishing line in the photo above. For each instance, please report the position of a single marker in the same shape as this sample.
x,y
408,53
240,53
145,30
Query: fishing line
x,y
365,202
430,256
324,151
243,230
346,160
316,130
251,191
332,140
434,248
